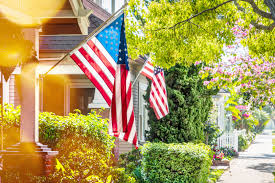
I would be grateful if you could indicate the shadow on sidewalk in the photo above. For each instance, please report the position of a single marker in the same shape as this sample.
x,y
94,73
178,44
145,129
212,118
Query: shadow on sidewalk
x,y
263,167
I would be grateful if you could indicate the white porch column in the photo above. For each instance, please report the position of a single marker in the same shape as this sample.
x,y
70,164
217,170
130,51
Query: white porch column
x,y
29,104
29,95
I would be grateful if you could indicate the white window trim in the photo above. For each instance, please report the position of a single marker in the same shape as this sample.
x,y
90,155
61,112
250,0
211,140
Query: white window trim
x,y
98,101
76,83
143,112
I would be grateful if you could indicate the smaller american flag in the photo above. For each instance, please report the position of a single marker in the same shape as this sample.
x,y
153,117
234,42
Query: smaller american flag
x,y
158,95
148,69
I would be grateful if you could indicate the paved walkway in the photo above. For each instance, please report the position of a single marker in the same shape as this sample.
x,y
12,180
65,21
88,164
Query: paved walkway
x,y
255,165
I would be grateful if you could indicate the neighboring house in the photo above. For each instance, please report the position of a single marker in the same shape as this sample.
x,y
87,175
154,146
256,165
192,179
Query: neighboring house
x,y
224,118
229,137
66,88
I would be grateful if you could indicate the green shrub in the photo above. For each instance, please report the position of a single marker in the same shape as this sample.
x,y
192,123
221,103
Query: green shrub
x,y
84,145
215,174
176,163
244,141
131,161
189,105
10,125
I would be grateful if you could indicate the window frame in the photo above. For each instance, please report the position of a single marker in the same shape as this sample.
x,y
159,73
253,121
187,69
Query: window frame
x,y
74,83
143,112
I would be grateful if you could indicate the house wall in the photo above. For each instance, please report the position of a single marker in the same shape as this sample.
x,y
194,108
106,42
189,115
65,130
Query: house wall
x,y
68,69
224,119
14,90
52,48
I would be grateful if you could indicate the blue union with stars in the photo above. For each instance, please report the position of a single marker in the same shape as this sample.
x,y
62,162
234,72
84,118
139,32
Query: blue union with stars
x,y
157,70
113,40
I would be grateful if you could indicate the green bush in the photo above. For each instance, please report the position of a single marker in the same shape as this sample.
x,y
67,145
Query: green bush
x,y
131,161
263,118
10,125
189,105
176,163
244,141
84,145
215,174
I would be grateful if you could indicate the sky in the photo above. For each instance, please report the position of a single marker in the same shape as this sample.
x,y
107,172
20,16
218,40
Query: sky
x,y
107,4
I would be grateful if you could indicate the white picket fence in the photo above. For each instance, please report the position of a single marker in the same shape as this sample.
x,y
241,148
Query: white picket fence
x,y
229,140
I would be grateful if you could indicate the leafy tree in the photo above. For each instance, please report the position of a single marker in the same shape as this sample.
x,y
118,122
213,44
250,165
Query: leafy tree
x,y
188,31
263,118
249,80
189,105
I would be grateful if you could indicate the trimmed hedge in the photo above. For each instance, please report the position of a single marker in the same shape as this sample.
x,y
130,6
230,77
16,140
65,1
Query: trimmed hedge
x,y
176,163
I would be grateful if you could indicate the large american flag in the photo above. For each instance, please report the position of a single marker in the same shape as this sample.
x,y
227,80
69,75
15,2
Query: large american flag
x,y
158,94
148,69
104,60
122,111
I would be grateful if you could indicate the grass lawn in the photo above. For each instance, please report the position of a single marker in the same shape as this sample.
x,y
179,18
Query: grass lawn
x,y
273,142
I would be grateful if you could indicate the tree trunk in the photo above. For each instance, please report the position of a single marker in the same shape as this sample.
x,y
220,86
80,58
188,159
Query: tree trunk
x,y
271,6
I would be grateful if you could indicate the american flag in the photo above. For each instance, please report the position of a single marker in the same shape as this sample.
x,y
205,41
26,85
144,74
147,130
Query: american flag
x,y
104,60
122,109
158,95
98,56
148,69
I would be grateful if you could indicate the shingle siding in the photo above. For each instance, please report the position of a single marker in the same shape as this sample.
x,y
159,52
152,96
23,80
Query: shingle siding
x,y
13,91
66,43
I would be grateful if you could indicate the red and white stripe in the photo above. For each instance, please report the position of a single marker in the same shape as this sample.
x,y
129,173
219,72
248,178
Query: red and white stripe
x,y
158,96
122,120
98,65
148,70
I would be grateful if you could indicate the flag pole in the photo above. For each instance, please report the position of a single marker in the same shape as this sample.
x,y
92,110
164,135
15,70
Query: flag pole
x,y
88,37
140,71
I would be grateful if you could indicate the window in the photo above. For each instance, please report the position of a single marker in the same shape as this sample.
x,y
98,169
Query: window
x,y
63,94
52,98
80,98
98,2
79,95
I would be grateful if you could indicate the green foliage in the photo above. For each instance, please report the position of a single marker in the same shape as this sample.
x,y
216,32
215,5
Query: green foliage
x,y
157,30
215,174
261,43
54,128
212,132
244,141
202,38
262,118
132,163
84,145
176,163
189,105
10,124
130,160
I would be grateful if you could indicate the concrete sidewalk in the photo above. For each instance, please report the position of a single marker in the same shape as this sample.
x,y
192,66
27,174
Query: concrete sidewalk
x,y
255,165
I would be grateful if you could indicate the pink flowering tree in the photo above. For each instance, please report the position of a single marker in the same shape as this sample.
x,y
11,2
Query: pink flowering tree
x,y
250,81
